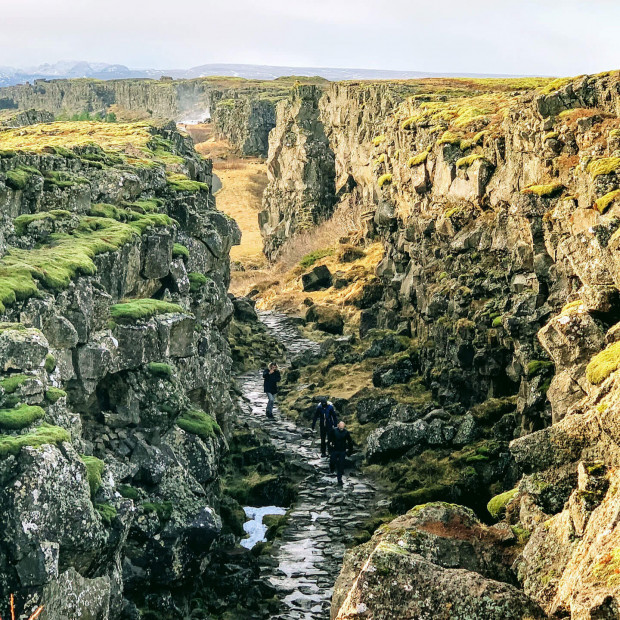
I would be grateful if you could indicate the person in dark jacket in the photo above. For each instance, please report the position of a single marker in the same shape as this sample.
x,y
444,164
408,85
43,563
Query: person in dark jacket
x,y
271,378
340,444
326,415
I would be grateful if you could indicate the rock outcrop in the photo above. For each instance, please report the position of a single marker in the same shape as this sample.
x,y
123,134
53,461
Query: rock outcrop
x,y
115,368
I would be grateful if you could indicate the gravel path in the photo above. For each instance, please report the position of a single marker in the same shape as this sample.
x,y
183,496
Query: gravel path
x,y
308,557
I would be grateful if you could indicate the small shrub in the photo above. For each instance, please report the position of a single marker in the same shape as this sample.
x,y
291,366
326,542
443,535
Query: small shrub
x,y
309,259
94,469
197,422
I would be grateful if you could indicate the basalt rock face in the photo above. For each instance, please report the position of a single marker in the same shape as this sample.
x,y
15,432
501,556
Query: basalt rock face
x,y
244,115
300,169
27,117
115,373
501,259
245,122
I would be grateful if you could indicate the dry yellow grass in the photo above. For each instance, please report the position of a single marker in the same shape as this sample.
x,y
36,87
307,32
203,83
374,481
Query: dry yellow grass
x,y
110,136
241,198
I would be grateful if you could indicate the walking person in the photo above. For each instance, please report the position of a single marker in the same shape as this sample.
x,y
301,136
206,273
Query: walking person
x,y
271,377
326,415
341,445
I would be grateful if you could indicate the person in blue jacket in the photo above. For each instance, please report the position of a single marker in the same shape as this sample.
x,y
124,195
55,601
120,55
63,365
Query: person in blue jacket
x,y
271,378
326,415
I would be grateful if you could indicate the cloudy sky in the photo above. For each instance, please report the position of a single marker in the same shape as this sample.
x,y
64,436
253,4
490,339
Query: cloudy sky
x,y
534,37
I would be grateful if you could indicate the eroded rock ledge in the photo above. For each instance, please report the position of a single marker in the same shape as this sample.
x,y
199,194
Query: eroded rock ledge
x,y
115,368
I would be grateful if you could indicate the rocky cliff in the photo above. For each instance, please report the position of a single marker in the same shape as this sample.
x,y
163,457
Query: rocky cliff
x,y
115,368
496,205
242,110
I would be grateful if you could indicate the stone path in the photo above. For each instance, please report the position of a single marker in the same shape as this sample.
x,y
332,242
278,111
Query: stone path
x,y
308,557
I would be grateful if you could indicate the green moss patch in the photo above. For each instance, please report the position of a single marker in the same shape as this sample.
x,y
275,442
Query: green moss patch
x,y
603,203
160,369
163,510
20,417
603,364
94,469
605,165
53,395
418,159
107,512
544,191
180,251
11,384
128,492
384,179
182,183
197,422
537,366
142,310
465,162
19,178
43,434
67,256
196,280
449,138
22,222
498,504
50,363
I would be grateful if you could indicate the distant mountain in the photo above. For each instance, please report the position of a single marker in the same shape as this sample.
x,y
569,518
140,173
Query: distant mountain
x,y
102,71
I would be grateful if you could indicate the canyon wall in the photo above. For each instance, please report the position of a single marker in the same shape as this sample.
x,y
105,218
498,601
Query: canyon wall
x,y
115,370
498,209
243,111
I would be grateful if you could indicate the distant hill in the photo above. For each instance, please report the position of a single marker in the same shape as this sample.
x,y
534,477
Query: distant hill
x,y
103,71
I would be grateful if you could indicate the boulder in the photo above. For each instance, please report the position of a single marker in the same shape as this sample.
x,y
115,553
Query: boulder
x,y
395,439
374,409
244,310
21,348
320,277
400,371
437,561
326,318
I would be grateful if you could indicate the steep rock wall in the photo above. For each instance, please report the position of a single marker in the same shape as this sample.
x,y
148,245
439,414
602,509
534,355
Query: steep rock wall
x,y
244,114
115,372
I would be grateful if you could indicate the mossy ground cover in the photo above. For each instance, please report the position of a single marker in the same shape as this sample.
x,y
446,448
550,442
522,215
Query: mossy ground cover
x,y
20,417
182,183
53,265
94,469
312,257
199,423
53,395
548,190
11,384
136,310
180,251
603,364
160,369
43,434
498,504
196,280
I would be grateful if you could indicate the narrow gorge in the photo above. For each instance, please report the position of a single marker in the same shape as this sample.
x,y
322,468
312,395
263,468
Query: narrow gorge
x,y
445,251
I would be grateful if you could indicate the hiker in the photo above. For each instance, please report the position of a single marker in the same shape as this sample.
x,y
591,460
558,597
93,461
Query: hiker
x,y
341,445
326,415
271,376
